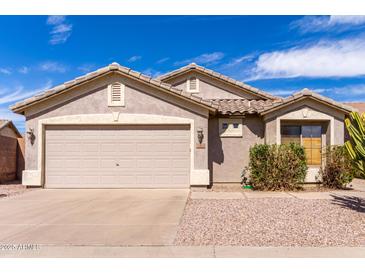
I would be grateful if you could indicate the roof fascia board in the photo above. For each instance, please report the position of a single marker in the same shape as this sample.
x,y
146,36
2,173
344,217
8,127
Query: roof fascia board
x,y
285,104
20,109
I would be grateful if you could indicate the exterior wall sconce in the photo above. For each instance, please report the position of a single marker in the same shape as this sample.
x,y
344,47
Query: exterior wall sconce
x,y
200,135
31,136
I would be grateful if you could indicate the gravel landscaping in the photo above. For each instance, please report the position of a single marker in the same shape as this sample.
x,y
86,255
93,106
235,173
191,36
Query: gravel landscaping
x,y
273,222
236,187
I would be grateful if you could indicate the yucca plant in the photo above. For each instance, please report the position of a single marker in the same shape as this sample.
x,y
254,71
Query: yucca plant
x,y
355,125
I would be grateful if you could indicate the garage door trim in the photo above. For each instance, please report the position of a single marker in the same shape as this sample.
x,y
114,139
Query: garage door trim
x,y
196,175
117,156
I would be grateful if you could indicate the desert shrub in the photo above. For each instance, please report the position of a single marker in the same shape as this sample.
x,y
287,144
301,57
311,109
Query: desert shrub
x,y
276,167
338,170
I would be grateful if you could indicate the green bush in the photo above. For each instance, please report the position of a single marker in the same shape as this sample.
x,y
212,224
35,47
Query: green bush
x,y
338,170
276,167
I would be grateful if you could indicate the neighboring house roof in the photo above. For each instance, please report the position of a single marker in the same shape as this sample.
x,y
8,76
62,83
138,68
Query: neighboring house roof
x,y
114,67
359,106
8,123
216,75
306,93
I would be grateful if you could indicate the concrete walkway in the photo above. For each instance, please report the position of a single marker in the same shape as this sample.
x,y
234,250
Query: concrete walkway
x,y
44,251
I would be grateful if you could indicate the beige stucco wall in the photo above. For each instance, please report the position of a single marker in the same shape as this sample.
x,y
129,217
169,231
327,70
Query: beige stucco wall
x,y
306,110
229,155
92,99
339,131
210,88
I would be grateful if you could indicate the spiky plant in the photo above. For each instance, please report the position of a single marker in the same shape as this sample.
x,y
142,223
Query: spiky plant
x,y
355,125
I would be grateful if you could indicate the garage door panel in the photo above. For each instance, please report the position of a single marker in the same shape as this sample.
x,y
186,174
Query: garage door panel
x,y
179,147
179,163
109,156
161,163
179,179
55,147
91,163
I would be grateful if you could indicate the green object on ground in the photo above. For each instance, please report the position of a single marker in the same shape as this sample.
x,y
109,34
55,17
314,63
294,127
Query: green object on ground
x,y
247,187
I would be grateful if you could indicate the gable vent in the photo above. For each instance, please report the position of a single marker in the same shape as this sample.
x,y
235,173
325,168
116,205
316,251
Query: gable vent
x,y
193,84
116,94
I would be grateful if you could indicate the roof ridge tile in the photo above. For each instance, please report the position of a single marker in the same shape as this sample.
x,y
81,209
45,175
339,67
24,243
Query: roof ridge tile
x,y
17,107
219,76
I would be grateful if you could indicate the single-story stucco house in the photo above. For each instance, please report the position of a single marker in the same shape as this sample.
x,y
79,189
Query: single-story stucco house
x,y
11,152
118,128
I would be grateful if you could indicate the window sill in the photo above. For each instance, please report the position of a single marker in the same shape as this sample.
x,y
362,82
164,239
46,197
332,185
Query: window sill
x,y
231,136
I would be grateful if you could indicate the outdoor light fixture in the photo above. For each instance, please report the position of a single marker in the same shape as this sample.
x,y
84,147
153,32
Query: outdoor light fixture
x,y
31,136
200,135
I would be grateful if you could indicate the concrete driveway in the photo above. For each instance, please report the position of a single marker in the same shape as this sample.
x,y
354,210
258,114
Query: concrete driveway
x,y
113,217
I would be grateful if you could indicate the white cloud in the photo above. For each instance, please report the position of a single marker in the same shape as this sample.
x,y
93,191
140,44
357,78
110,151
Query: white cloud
x,y
162,60
17,119
12,95
85,68
23,70
203,59
134,58
281,92
56,19
288,92
324,59
349,90
152,72
326,23
51,66
5,71
62,28
60,31
347,19
238,61
20,93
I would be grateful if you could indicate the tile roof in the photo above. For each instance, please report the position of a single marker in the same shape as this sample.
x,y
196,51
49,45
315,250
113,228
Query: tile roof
x,y
114,67
242,106
3,123
217,75
9,123
358,106
224,106
305,93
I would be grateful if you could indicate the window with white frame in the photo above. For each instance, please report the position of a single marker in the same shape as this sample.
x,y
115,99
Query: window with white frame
x,y
116,94
193,84
230,127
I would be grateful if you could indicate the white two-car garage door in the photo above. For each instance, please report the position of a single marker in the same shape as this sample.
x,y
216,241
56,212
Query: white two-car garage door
x,y
117,156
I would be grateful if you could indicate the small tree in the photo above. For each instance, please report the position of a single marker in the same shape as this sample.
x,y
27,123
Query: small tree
x,y
356,145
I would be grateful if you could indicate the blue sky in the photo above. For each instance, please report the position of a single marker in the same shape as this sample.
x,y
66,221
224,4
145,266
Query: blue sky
x,y
279,54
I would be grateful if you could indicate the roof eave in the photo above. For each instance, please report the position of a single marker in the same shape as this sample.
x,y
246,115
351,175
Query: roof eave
x,y
197,101
189,68
284,104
